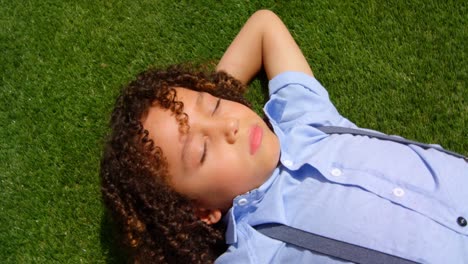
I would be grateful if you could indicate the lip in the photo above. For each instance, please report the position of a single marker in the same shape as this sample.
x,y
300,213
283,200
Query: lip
x,y
255,138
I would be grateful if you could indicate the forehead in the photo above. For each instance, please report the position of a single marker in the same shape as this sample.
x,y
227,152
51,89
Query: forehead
x,y
158,115
186,95
164,129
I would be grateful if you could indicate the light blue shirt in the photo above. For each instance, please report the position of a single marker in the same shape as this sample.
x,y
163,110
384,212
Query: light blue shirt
x,y
398,199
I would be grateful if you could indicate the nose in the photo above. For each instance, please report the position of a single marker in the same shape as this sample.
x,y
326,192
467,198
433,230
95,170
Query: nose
x,y
230,128
223,128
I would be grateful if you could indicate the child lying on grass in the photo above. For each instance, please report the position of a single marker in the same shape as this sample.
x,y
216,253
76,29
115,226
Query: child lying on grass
x,y
189,169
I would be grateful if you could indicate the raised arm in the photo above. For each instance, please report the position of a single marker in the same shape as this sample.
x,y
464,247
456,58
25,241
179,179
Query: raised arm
x,y
264,41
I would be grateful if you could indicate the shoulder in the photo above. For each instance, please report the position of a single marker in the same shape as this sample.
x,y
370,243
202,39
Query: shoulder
x,y
297,98
297,79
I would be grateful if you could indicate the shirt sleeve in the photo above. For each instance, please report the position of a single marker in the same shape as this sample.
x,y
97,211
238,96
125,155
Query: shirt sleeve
x,y
299,99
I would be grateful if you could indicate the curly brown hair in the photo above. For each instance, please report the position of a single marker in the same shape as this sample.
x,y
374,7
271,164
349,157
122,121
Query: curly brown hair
x,y
157,224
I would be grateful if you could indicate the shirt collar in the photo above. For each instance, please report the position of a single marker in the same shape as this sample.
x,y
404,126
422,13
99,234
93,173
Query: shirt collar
x,y
234,214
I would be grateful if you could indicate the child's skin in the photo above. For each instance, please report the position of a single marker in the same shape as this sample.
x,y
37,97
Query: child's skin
x,y
214,161
228,150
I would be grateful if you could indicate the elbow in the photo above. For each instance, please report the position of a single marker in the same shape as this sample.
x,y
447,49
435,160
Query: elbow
x,y
265,14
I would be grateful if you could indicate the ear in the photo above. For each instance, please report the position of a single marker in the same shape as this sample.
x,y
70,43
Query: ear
x,y
209,216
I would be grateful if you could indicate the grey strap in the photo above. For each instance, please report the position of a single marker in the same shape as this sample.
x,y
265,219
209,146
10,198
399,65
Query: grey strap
x,y
361,132
327,246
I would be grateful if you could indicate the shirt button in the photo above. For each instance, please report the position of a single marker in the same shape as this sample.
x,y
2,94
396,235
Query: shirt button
x,y
288,163
461,221
336,172
398,192
242,202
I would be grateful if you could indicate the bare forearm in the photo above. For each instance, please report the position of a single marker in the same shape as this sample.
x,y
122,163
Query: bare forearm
x,y
243,58
279,50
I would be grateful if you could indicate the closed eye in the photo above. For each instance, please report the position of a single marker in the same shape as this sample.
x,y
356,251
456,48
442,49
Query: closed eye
x,y
203,157
216,106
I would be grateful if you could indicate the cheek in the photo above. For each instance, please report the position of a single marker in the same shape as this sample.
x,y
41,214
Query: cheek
x,y
228,164
237,173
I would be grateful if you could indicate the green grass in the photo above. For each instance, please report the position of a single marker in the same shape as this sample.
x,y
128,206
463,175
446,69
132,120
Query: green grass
x,y
393,66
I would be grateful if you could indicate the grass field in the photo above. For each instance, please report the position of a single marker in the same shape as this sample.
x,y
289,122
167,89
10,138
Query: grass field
x,y
396,66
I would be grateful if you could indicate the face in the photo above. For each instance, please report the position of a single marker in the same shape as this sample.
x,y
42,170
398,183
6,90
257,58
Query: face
x,y
228,150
